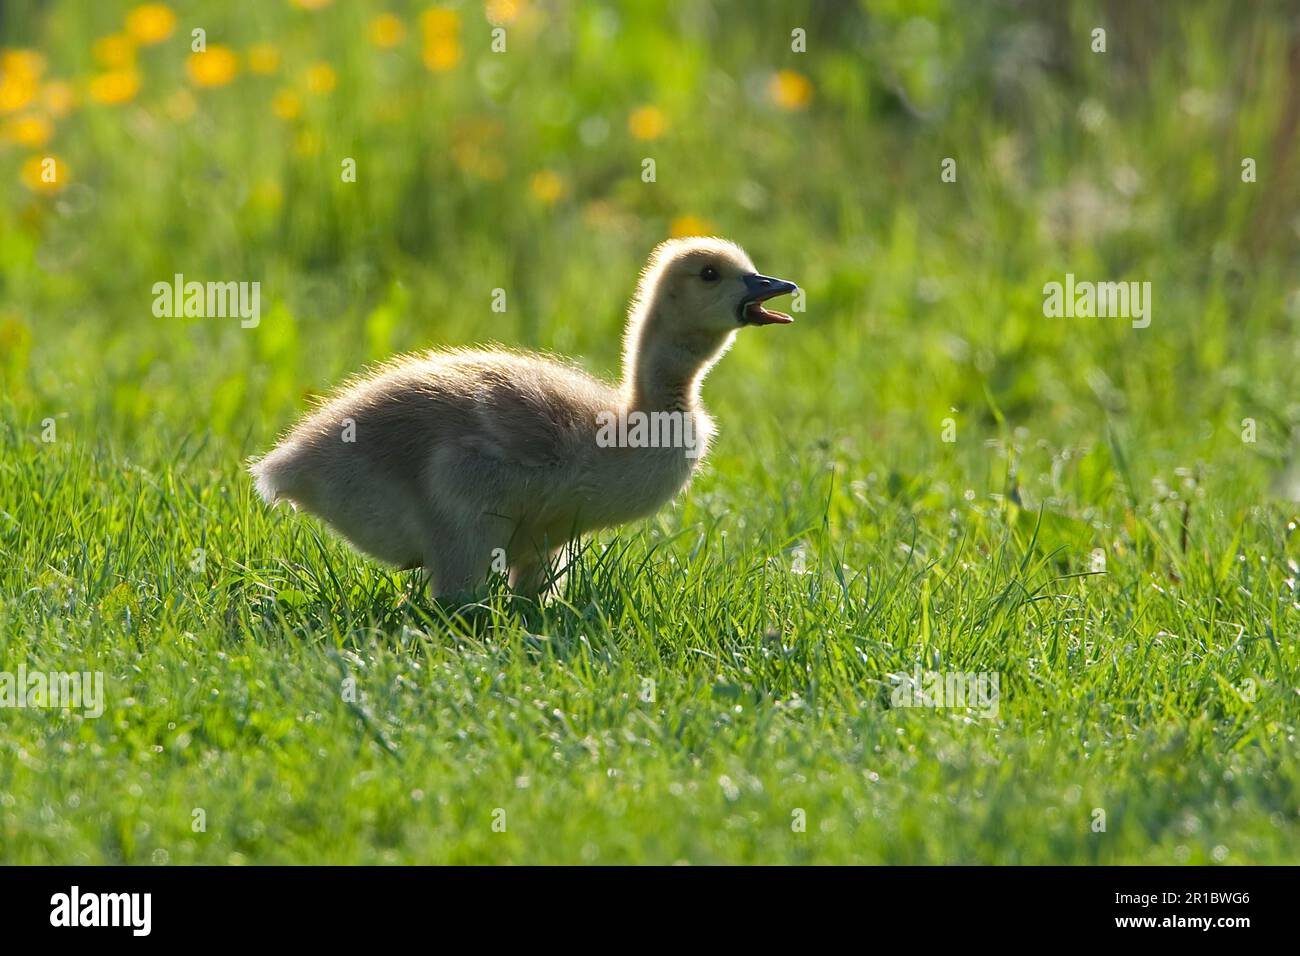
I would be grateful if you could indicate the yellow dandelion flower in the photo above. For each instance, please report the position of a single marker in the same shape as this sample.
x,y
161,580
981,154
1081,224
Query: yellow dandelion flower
x,y
263,59
470,152
115,87
114,52
59,98
320,78
688,225
439,23
441,55
181,105
465,155
28,130
310,4
502,12
441,29
45,174
25,63
308,143
491,167
790,90
477,130
150,23
215,66
20,72
287,105
15,92
647,122
547,187
386,30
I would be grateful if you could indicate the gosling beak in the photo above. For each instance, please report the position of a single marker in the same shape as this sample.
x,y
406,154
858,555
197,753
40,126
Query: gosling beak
x,y
758,289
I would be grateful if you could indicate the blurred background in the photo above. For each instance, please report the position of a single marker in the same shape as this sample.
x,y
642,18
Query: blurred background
x,y
812,133
522,170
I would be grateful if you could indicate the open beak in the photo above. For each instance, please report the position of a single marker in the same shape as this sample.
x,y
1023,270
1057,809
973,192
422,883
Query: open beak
x,y
758,289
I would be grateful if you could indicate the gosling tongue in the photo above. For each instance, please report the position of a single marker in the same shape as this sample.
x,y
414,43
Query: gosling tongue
x,y
755,314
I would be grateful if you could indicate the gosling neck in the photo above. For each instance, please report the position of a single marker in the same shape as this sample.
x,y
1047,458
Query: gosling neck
x,y
661,375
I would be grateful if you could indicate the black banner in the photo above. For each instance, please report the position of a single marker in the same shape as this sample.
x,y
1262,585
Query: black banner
x,y
337,906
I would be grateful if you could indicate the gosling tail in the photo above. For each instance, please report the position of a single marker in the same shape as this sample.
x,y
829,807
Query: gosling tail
x,y
274,474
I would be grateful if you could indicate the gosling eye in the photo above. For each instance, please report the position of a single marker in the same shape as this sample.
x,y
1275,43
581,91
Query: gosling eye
x,y
710,274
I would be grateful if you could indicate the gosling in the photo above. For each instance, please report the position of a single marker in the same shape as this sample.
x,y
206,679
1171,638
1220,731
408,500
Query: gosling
x,y
470,461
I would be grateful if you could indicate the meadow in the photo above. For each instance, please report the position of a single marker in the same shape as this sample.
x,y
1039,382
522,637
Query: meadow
x,y
924,474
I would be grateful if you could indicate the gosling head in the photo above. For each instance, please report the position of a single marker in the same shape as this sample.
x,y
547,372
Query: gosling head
x,y
702,287
693,297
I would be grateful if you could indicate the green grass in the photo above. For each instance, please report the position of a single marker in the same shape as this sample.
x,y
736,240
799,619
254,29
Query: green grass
x,y
1162,690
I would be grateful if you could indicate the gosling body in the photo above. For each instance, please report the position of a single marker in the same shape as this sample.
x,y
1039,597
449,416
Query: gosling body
x,y
469,461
